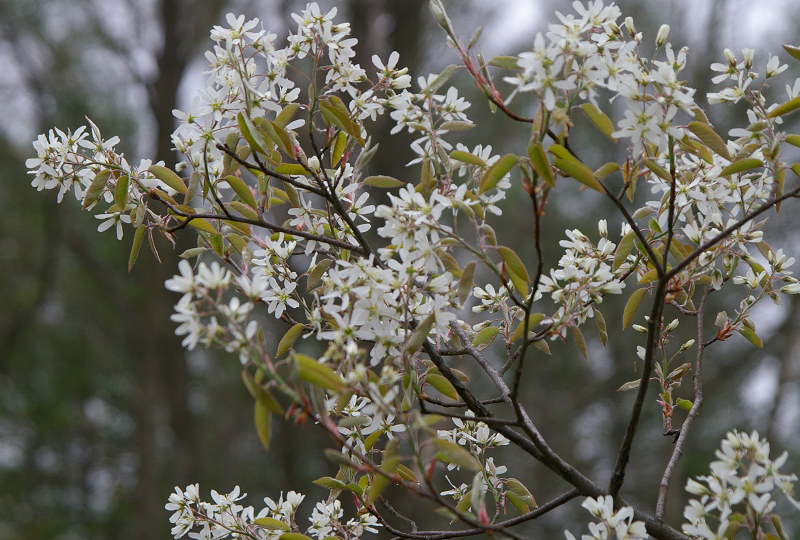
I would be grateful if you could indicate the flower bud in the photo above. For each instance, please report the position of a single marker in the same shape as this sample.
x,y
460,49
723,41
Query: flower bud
x,y
730,56
661,37
687,345
673,325
629,26
313,163
639,328
748,57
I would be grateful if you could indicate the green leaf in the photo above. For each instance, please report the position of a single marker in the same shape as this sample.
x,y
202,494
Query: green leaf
x,y
580,341
465,282
242,190
684,404
518,488
606,169
741,166
260,393
623,249
311,371
137,244
294,536
278,135
792,139
420,334
466,157
514,263
263,419
251,134
793,51
710,137
785,108
505,62
286,114
386,182
496,172
632,306
288,339
578,171
96,188
440,79
540,163
292,169
485,336
533,320
338,148
659,171
602,329
121,192
169,177
456,125
751,336
599,119
450,452
243,209
201,225
316,273
272,524
335,112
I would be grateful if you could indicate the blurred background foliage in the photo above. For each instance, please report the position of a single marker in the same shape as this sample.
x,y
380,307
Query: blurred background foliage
x,y
102,412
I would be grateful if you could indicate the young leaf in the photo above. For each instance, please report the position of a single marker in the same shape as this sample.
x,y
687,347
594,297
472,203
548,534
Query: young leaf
x,y
121,192
311,371
602,329
440,79
442,385
137,244
518,488
496,172
288,339
751,336
623,249
241,189
632,306
741,166
465,282
420,334
386,182
580,172
505,62
272,524
263,419
466,157
533,320
793,51
514,263
785,108
450,452
707,134
599,119
630,385
96,188
485,336
294,536
580,341
540,163
169,177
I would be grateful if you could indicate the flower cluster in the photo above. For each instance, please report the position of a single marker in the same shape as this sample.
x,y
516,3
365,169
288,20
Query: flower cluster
x,y
225,518
613,524
741,490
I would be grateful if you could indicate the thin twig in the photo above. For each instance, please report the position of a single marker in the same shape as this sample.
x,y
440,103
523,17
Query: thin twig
x,y
677,451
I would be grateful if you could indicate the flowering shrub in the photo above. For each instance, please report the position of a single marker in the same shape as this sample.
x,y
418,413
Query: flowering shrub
x,y
406,296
